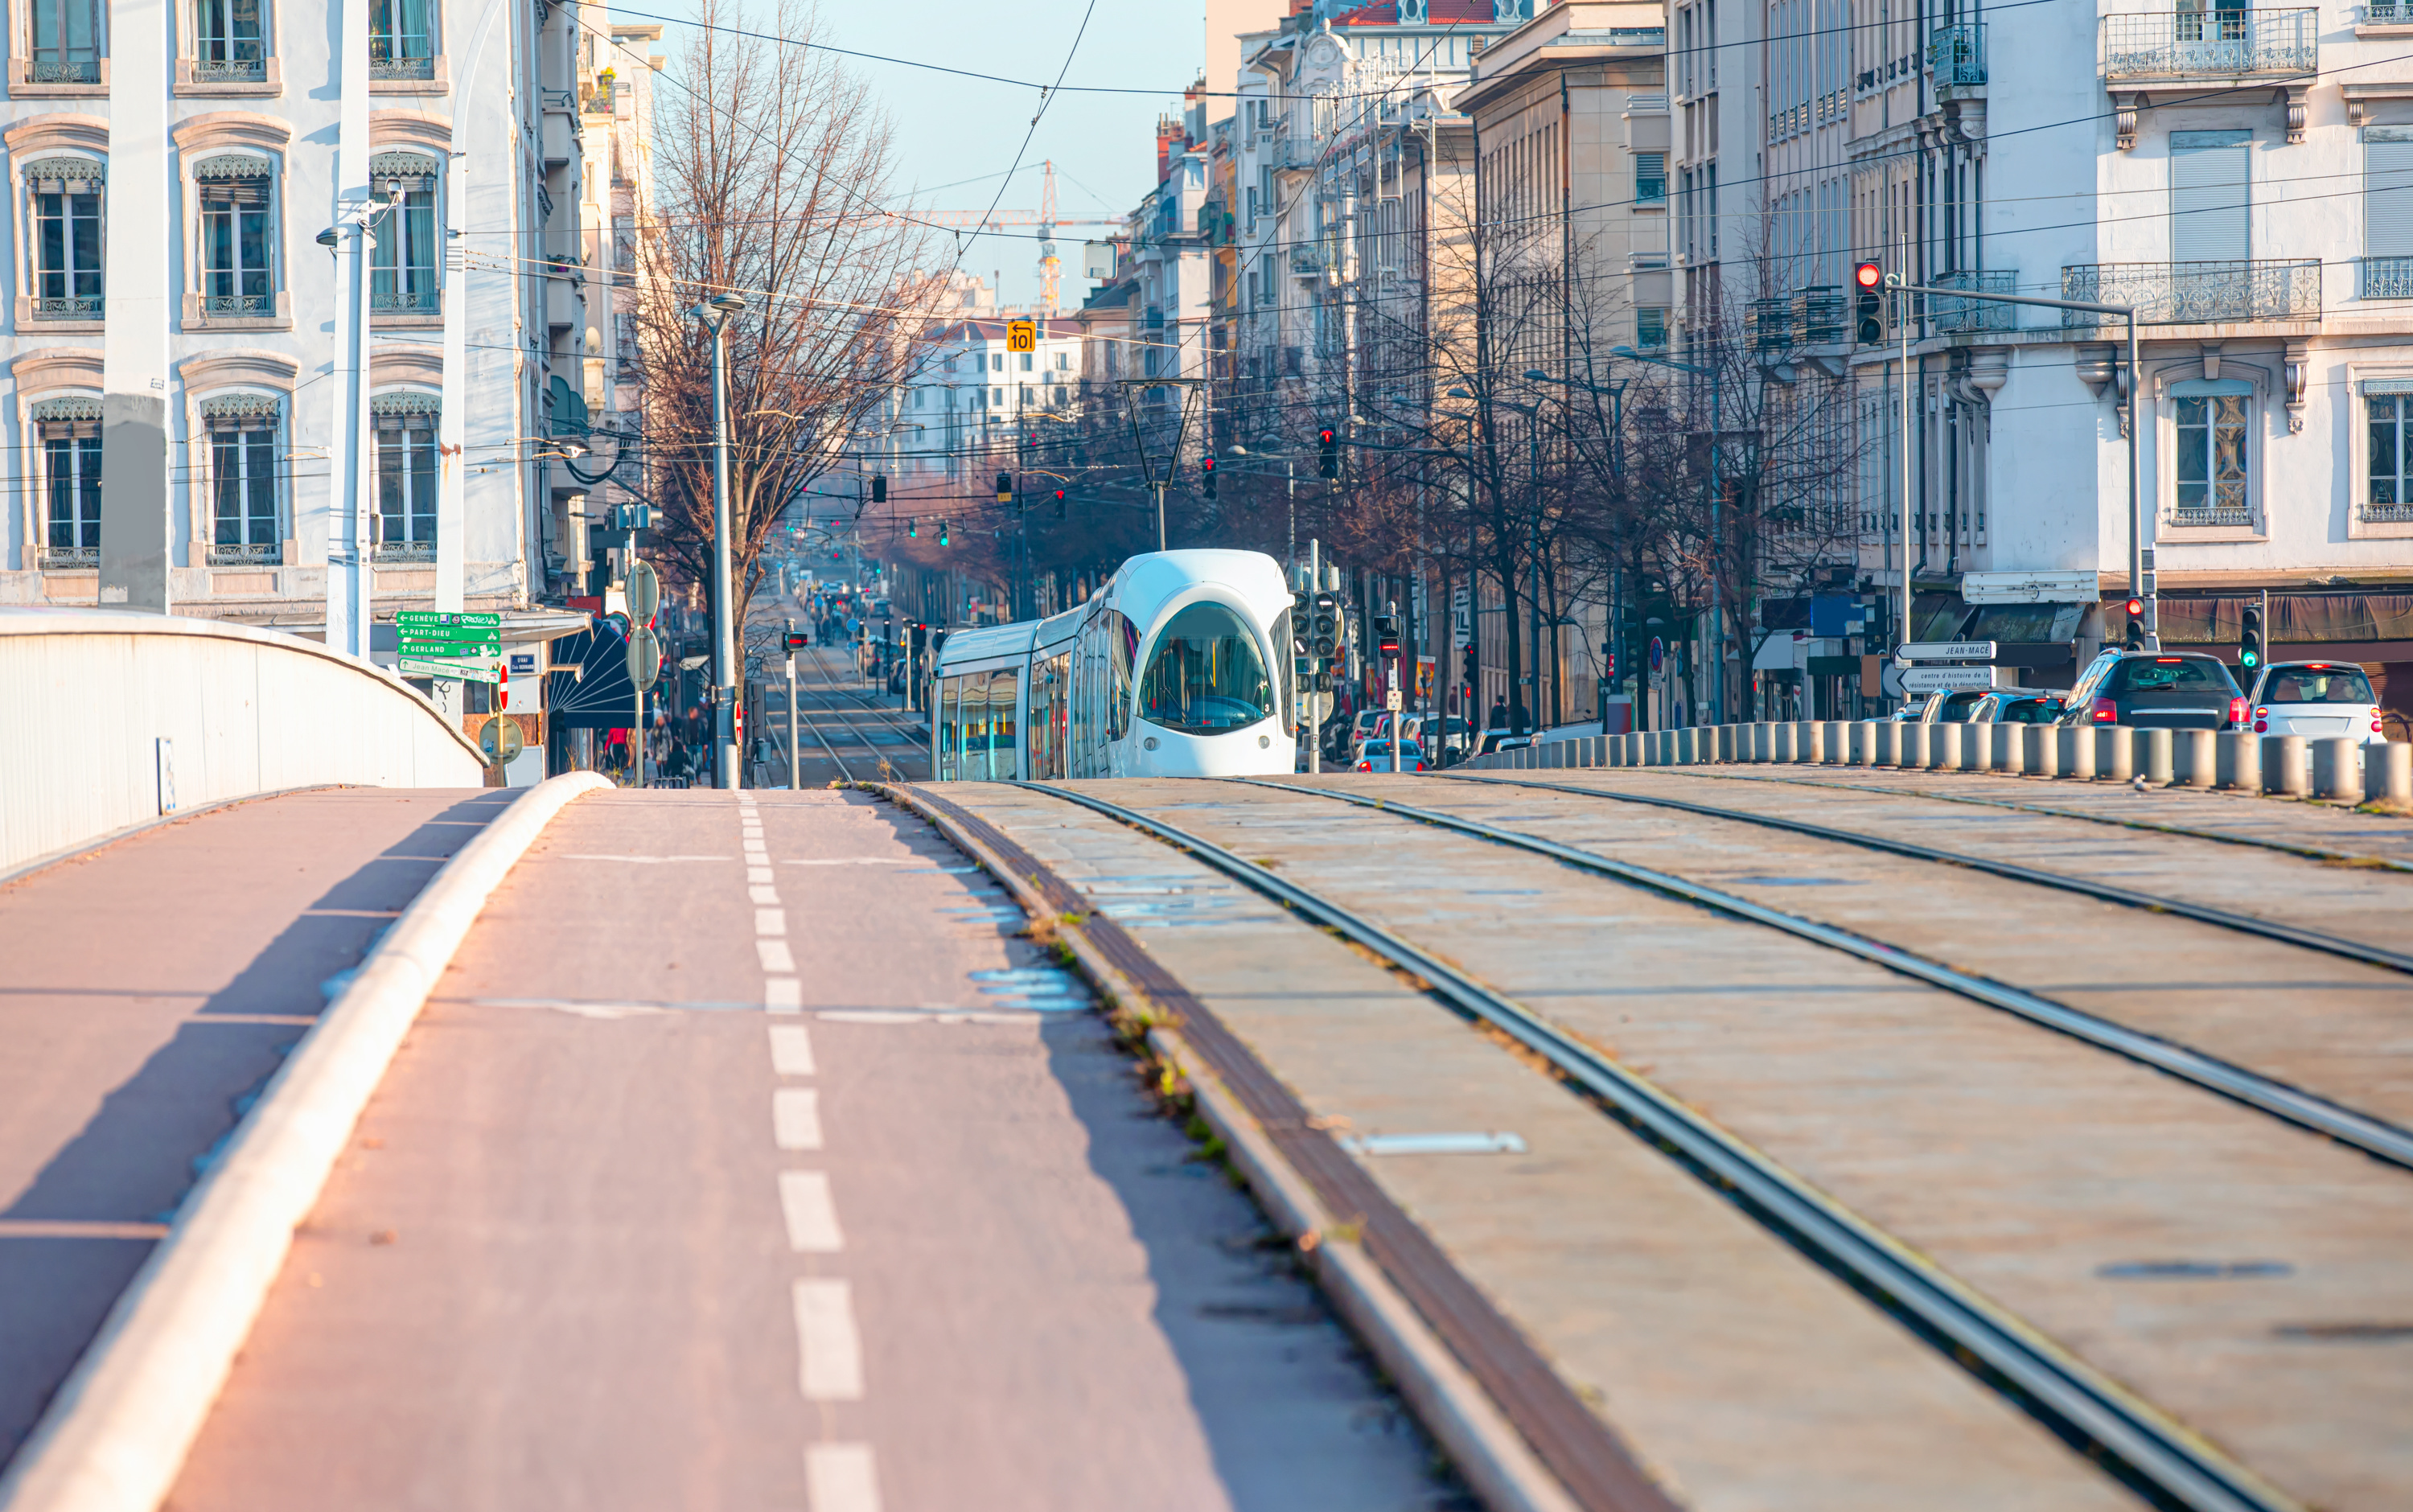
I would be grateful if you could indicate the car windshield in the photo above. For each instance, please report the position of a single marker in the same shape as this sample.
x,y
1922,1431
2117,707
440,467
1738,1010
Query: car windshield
x,y
1956,707
2031,711
1206,676
2317,685
2172,674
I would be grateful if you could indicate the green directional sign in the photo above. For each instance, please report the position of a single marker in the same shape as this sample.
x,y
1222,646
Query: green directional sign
x,y
468,671
423,619
414,645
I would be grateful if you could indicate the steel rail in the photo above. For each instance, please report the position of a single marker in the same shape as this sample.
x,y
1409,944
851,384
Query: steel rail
x,y
2310,853
2374,1136
2288,934
2145,1448
806,718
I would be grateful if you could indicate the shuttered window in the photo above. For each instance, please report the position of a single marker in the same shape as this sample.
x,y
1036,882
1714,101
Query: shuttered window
x,y
2387,192
2209,196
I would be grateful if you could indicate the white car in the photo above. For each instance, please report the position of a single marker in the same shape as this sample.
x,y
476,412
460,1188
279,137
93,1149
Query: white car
x,y
2317,699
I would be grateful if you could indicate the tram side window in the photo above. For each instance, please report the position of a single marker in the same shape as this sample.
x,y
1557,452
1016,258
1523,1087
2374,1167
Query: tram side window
x,y
1122,646
1005,727
1285,669
951,692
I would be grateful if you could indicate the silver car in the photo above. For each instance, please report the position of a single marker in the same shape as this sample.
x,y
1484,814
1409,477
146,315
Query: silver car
x,y
2317,699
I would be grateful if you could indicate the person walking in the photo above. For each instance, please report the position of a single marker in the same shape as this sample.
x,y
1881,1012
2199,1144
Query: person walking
x,y
1498,719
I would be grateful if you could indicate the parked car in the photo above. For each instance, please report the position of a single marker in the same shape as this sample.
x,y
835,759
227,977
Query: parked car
x,y
1498,740
1378,758
1950,707
2156,690
2317,699
2017,705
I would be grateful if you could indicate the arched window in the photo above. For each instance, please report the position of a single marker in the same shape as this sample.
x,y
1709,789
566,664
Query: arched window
x,y
68,431
405,473
64,199
238,244
405,275
242,458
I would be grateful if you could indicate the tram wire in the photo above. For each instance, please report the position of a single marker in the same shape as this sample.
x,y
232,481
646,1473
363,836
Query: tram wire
x,y
2134,1441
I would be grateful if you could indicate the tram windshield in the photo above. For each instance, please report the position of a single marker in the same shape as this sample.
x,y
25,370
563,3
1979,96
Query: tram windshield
x,y
1206,677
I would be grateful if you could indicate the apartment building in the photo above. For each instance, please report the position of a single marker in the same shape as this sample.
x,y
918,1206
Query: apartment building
x,y
973,401
183,398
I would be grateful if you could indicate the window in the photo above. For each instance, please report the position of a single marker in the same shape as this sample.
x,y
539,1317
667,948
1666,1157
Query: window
x,y
2388,213
1651,179
1651,328
2209,196
996,362
65,193
2389,496
227,42
997,397
1030,395
1029,360
68,431
406,471
241,430
403,277
237,277
2212,429
1063,362
402,40
65,43
1206,676
1062,395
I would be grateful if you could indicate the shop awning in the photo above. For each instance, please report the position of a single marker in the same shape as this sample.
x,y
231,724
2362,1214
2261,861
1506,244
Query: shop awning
x,y
589,686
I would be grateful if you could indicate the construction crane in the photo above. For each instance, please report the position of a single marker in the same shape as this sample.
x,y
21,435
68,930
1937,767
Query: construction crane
x,y
1051,267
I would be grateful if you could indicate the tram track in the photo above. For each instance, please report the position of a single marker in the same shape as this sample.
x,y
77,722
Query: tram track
x,y
2158,1457
2292,1104
806,718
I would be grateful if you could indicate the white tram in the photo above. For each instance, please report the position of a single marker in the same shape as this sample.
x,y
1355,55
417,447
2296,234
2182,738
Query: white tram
x,y
1180,666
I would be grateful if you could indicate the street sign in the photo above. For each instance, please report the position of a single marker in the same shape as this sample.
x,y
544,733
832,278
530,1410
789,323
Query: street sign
x,y
414,646
1658,653
501,739
645,658
1946,680
419,620
1391,701
645,593
464,671
1946,651
1021,335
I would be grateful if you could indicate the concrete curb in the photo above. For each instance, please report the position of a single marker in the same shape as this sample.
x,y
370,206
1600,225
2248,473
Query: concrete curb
x,y
115,1436
1485,1447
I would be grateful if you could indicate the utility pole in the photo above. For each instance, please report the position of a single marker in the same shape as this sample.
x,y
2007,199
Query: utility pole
x,y
716,313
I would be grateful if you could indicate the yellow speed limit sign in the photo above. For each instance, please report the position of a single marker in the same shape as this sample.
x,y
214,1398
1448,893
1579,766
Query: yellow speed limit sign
x,y
1021,335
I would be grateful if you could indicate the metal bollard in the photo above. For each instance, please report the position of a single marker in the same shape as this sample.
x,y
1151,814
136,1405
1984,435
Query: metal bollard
x,y
1917,744
2115,753
1835,738
2195,758
1860,736
2387,774
2283,767
1780,742
1687,743
2157,756
2007,751
1890,742
2237,762
1809,742
2043,743
1763,741
2337,770
1944,753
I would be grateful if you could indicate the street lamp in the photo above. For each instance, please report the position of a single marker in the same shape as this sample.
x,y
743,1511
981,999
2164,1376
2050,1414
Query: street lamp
x,y
716,313
1717,538
348,571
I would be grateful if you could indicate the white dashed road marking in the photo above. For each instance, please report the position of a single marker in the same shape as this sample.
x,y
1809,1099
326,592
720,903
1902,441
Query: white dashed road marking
x,y
812,1217
839,1478
775,957
770,921
831,1369
796,1118
782,995
792,1050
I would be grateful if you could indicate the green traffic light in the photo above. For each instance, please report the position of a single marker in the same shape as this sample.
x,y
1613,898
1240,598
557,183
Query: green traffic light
x,y
2249,659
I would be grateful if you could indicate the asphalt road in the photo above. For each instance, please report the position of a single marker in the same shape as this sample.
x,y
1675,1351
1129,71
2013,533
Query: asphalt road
x,y
744,1159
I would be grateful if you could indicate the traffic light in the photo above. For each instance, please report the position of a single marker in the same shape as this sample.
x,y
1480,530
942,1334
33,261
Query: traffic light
x,y
1327,461
1609,662
2134,636
2251,645
1386,635
1206,474
1005,488
1868,312
879,488
797,640
912,528
942,533
1060,503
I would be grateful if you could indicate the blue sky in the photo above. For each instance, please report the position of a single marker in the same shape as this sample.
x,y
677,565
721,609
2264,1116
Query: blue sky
x,y
952,128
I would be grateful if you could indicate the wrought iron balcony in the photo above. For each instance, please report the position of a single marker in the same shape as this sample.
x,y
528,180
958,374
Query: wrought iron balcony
x,y
1954,316
2211,44
250,307
2388,277
50,71
2214,514
2387,514
70,307
2193,293
403,553
407,301
252,553
2387,13
1771,323
229,71
384,65
1818,314
70,559
1956,56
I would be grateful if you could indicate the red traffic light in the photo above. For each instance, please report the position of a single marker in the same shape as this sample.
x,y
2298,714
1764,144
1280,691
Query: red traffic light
x,y
1326,436
2136,609
1210,464
1868,275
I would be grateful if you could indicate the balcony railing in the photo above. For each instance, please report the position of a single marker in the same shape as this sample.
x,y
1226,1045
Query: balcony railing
x,y
48,71
1818,314
2387,13
229,71
2211,44
251,305
1770,323
402,552
71,307
385,65
1953,316
408,302
56,559
2388,277
252,553
2387,514
1957,54
2193,294
2216,514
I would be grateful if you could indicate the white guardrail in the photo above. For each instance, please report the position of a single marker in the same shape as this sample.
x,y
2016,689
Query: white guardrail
x,y
110,718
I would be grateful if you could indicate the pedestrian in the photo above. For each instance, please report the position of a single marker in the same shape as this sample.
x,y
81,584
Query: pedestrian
x,y
1499,717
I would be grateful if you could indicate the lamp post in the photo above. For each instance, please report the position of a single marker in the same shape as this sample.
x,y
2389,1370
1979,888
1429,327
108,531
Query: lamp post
x,y
1717,538
716,313
351,545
